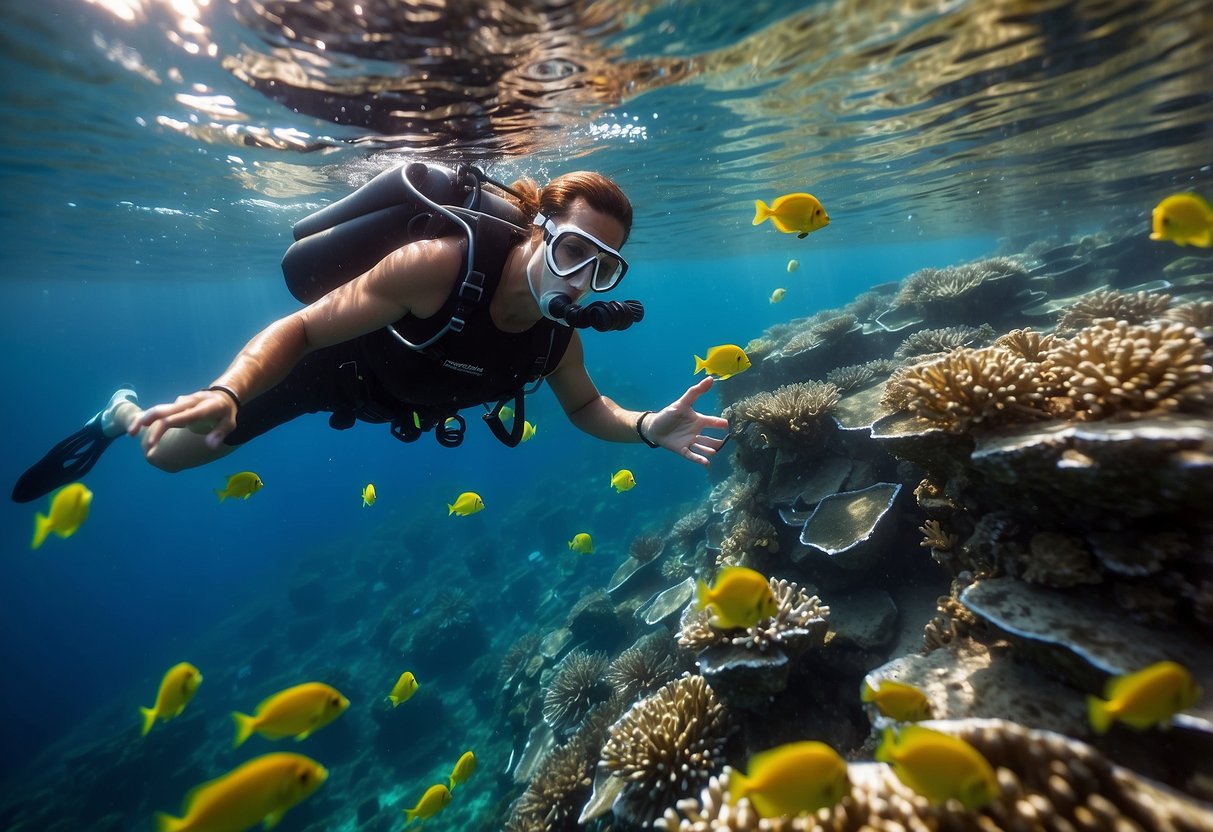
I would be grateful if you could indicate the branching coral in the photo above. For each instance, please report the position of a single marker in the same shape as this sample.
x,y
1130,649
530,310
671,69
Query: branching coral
x,y
1135,308
928,341
928,285
934,537
851,376
641,668
970,387
1027,344
748,534
797,613
575,686
1113,368
786,415
691,522
820,330
646,547
1046,781
1198,314
666,747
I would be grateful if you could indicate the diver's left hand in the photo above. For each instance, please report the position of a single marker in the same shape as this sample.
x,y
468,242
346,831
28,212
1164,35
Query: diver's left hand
x,y
679,428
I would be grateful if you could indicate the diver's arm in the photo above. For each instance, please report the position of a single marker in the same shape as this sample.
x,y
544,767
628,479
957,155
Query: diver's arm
x,y
414,279
676,427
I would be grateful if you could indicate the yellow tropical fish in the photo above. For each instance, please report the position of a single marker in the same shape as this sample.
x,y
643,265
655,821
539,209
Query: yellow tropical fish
x,y
431,803
260,791
463,769
776,297
69,508
902,702
741,598
622,480
799,214
468,502
1184,219
793,265
242,485
1149,697
506,413
294,712
177,688
404,688
582,543
528,431
369,496
938,766
724,361
792,779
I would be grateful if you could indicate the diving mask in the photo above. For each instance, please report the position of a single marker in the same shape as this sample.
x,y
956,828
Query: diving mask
x,y
567,250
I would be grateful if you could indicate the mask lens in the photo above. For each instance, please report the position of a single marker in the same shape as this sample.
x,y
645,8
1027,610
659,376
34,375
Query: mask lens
x,y
570,251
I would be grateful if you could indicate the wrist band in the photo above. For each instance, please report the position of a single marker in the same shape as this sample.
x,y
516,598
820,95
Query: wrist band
x,y
219,388
640,433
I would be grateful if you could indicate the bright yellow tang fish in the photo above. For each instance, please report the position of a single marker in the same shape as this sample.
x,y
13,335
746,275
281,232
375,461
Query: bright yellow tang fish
x,y
69,509
468,502
776,297
799,214
1184,219
582,543
622,480
463,769
792,779
938,766
404,688
177,688
294,712
1149,697
242,485
369,496
896,700
431,803
260,791
724,361
740,598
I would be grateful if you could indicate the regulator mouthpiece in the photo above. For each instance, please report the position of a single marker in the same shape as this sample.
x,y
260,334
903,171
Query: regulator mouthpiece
x,y
603,316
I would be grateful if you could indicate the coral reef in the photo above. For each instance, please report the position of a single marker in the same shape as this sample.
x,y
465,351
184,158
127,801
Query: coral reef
x,y
1132,308
1046,781
798,615
641,668
574,687
1113,368
968,388
934,537
929,285
646,547
946,339
749,535
850,376
786,416
666,747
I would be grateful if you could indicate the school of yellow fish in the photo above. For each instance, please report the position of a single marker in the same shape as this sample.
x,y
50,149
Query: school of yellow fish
x,y
262,789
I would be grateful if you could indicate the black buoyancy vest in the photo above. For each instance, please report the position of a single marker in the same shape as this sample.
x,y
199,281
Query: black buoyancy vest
x,y
476,365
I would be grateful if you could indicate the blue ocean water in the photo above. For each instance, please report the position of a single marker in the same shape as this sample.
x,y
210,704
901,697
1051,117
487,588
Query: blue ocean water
x,y
141,236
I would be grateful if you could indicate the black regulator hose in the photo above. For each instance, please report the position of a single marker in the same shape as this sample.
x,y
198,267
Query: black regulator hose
x,y
602,315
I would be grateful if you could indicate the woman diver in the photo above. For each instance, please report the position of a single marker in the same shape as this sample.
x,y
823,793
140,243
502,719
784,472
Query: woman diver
x,y
428,329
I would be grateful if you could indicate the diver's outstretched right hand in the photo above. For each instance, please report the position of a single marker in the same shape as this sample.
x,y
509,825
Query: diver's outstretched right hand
x,y
207,411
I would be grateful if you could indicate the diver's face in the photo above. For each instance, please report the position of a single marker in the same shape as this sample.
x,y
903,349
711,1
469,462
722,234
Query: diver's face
x,y
594,223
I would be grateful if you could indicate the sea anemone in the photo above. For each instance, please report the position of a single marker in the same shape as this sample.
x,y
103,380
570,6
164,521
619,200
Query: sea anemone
x,y
575,686
666,747
641,668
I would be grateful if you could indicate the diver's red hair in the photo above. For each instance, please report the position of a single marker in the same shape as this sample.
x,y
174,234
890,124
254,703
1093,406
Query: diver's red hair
x,y
554,199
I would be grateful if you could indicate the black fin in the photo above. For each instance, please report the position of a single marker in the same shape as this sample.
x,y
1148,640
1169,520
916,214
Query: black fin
x,y
67,462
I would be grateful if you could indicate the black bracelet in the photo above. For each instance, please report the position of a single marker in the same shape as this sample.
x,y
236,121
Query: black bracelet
x,y
219,388
640,433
